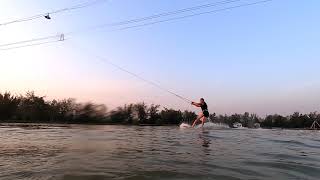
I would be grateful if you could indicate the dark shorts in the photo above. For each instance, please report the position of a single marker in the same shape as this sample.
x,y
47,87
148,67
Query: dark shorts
x,y
206,114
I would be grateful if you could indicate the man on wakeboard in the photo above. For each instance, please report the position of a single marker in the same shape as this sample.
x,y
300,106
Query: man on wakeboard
x,y
204,115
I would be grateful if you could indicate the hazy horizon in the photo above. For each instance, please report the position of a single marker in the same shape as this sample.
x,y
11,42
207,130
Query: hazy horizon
x,y
262,59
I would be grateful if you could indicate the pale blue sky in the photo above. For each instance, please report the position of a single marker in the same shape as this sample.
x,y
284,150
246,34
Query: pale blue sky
x,y
262,58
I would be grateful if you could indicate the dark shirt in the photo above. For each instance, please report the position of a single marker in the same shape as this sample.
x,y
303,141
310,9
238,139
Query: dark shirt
x,y
204,107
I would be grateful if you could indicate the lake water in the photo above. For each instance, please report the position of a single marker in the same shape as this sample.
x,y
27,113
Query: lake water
x,y
82,152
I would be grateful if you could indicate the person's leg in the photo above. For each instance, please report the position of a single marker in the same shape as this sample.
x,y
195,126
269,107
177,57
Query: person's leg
x,y
195,121
203,120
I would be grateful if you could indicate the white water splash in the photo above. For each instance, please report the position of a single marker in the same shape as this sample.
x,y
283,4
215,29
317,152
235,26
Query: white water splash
x,y
184,125
206,125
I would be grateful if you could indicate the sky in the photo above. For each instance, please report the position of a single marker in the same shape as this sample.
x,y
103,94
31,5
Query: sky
x,y
261,59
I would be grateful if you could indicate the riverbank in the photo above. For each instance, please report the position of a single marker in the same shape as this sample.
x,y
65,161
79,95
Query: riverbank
x,y
30,108
70,125
35,125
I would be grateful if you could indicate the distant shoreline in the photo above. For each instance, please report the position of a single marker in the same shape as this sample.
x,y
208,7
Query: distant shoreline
x,y
32,109
40,125
29,124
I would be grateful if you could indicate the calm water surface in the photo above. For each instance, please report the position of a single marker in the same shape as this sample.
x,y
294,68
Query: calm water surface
x,y
130,152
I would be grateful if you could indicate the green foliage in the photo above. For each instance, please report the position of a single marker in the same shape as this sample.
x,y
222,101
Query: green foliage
x,y
141,112
122,115
8,106
90,113
189,116
33,108
171,116
296,120
153,114
62,110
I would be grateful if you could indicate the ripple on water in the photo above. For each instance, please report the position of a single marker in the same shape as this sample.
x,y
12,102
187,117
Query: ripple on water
x,y
129,152
289,169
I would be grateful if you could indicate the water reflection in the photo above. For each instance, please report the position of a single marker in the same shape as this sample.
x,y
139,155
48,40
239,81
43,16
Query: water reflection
x,y
205,141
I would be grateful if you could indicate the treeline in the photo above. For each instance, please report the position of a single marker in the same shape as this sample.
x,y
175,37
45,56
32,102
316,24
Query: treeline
x,y
296,120
35,109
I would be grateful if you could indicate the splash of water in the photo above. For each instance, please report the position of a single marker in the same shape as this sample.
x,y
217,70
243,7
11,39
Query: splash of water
x,y
206,125
185,125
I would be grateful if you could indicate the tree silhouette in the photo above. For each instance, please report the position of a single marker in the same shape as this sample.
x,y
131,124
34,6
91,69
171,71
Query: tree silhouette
x,y
33,108
8,106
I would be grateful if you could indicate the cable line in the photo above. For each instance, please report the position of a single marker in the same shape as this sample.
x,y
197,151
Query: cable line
x,y
132,21
31,40
191,15
144,24
105,60
156,16
46,15
34,44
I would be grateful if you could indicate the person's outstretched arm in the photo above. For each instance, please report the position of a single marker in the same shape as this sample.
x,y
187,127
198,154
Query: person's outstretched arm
x,y
196,104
